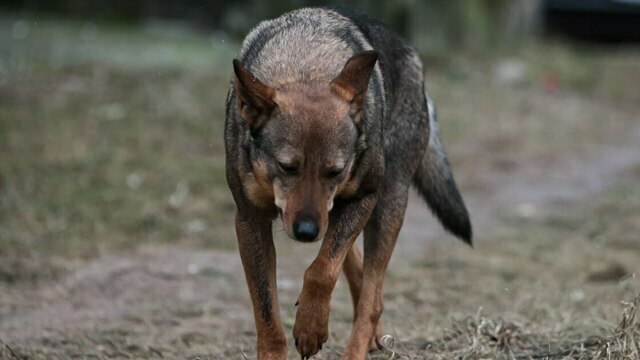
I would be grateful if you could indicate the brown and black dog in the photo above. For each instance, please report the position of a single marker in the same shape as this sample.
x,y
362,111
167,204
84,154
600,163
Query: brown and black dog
x,y
328,125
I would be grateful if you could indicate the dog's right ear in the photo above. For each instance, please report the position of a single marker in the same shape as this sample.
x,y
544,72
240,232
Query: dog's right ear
x,y
255,99
351,84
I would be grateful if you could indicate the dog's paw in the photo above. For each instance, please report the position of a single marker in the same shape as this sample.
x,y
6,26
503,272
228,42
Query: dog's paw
x,y
273,355
272,347
311,329
375,344
308,344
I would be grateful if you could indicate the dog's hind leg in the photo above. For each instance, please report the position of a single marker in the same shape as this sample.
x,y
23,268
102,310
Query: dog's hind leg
x,y
352,269
259,262
380,236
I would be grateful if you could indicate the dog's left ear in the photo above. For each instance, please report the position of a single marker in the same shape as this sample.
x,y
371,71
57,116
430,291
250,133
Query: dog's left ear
x,y
255,99
352,83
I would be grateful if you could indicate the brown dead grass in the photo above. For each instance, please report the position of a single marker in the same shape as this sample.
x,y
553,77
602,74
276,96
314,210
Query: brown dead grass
x,y
479,337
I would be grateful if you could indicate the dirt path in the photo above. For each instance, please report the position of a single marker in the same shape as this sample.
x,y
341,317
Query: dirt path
x,y
529,191
194,301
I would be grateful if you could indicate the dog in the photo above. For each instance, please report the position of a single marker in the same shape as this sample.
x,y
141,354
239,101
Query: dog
x,y
328,125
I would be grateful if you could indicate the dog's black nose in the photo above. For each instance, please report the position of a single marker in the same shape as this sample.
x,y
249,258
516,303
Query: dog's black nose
x,y
305,230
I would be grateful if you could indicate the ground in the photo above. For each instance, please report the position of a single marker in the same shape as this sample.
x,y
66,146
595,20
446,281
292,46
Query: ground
x,y
116,236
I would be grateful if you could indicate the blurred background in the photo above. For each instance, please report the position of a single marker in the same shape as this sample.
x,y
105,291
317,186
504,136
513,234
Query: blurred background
x,y
116,223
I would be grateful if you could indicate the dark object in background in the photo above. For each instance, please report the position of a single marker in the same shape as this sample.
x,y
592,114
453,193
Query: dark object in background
x,y
203,13
598,20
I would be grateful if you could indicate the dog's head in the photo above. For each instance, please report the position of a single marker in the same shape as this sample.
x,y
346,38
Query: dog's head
x,y
304,141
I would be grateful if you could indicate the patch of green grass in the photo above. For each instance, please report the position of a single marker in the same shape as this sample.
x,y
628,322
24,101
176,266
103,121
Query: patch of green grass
x,y
569,65
102,153
53,44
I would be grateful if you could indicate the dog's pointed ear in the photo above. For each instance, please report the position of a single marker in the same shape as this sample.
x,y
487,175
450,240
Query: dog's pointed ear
x,y
351,85
255,99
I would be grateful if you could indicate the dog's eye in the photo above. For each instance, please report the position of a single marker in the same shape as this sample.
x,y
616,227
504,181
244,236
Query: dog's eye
x,y
290,169
334,173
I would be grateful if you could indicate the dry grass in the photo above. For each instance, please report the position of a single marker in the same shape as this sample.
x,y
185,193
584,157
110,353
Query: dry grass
x,y
479,337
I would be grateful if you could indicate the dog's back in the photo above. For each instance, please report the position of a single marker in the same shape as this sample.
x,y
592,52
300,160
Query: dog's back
x,y
313,44
300,46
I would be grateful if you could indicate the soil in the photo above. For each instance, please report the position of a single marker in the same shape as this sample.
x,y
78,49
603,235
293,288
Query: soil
x,y
174,301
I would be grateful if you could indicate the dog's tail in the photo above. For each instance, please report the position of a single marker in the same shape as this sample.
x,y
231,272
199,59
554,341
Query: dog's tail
x,y
434,180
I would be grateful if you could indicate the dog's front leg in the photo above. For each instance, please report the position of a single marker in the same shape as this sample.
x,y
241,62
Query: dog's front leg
x,y
259,261
312,318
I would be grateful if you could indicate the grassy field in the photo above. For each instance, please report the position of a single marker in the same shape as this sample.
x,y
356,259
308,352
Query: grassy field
x,y
111,141
111,163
